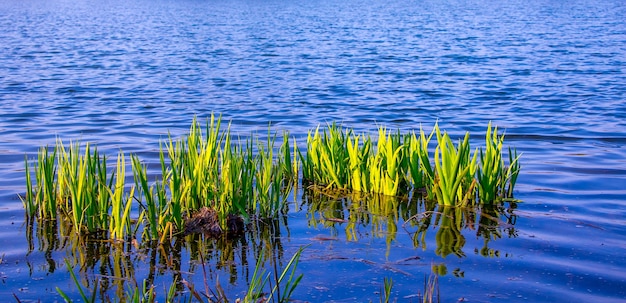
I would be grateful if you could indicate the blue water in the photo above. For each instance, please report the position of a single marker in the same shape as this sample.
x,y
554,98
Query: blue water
x,y
122,74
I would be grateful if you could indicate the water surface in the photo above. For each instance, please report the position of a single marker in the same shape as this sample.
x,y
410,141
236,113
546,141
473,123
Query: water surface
x,y
551,73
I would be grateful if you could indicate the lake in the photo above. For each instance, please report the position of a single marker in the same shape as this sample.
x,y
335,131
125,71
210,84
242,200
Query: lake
x,y
122,74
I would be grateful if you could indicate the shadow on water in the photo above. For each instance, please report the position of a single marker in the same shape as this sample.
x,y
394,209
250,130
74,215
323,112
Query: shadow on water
x,y
111,267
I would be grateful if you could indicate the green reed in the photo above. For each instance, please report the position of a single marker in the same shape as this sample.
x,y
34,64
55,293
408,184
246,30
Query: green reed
x,y
288,166
339,159
119,226
269,178
454,171
511,172
326,160
495,179
358,156
234,183
83,296
82,186
424,161
283,292
386,291
386,165
153,209
215,172
45,192
491,166
28,200
418,171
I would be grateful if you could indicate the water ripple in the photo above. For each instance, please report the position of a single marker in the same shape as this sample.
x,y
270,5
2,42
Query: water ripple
x,y
123,74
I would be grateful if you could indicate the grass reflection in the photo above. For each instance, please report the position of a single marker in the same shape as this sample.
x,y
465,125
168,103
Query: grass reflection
x,y
112,268
451,223
382,215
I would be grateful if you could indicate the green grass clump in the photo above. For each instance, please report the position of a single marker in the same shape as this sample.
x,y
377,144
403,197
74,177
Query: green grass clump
x,y
201,169
252,178
495,179
454,171
339,159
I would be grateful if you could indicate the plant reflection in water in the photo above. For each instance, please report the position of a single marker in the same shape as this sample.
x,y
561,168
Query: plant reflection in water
x,y
382,215
111,266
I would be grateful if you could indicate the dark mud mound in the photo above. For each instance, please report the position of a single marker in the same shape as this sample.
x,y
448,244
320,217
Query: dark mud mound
x,y
206,221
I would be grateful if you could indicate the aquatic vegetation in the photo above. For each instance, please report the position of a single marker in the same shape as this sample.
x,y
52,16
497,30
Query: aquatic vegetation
x,y
495,179
260,278
386,291
431,289
358,214
326,159
385,166
252,179
198,170
419,170
454,171
120,213
341,160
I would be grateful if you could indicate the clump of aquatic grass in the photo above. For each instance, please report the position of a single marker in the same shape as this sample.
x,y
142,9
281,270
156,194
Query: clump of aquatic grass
x,y
495,179
342,160
217,173
155,209
270,192
207,168
282,293
87,194
454,182
431,289
83,296
120,213
386,291
41,197
199,170
358,156
489,173
339,159
326,160
419,170
235,186
71,182
28,200
510,174
288,166
385,166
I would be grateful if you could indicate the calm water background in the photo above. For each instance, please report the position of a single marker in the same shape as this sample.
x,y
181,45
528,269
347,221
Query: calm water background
x,y
552,73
